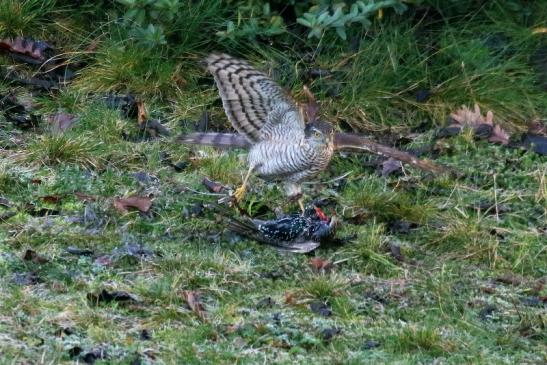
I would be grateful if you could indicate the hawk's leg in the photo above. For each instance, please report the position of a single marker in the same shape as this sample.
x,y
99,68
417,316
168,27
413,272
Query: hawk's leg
x,y
294,192
239,194
301,204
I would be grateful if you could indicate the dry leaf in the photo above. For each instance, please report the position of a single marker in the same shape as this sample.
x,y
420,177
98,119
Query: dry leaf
x,y
193,300
61,121
27,47
86,197
475,120
289,298
143,204
311,107
499,135
33,256
212,186
51,198
142,115
390,166
320,264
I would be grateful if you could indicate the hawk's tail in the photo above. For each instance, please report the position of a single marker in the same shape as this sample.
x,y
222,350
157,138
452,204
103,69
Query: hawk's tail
x,y
215,139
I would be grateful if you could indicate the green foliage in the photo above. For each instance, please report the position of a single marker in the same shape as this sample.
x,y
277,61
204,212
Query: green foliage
x,y
321,19
256,19
154,23
260,22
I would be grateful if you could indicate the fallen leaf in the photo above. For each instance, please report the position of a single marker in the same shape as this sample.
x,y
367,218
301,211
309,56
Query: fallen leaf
x,y
114,296
396,252
371,344
320,264
145,335
142,204
144,178
25,278
142,115
125,103
4,202
321,308
289,298
390,166
267,302
86,197
133,250
33,256
535,143
36,50
499,135
51,198
61,121
482,127
212,186
7,215
329,333
94,354
193,300
105,260
154,128
422,95
510,279
79,251
311,107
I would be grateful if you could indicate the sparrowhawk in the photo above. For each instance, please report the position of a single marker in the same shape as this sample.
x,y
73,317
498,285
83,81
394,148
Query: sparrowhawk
x,y
282,146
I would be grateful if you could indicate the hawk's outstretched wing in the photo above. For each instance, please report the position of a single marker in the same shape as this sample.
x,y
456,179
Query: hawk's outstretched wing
x,y
249,96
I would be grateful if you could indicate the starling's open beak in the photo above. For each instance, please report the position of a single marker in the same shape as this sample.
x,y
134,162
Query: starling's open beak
x,y
322,216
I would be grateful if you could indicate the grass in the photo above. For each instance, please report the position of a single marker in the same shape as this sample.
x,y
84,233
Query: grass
x,y
470,283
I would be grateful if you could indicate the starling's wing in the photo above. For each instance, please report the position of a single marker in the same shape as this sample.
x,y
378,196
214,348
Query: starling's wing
x,y
248,96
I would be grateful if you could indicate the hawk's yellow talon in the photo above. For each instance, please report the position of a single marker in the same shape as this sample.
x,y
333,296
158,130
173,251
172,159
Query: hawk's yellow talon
x,y
239,194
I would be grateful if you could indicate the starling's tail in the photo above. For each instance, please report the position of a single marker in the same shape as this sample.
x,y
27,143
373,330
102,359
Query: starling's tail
x,y
215,139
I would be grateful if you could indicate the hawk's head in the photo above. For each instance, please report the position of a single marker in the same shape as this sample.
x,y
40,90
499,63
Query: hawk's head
x,y
319,134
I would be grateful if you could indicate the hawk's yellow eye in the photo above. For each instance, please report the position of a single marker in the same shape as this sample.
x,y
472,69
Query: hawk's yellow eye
x,y
317,134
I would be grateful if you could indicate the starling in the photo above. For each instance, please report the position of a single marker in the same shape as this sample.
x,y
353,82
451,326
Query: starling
x,y
299,233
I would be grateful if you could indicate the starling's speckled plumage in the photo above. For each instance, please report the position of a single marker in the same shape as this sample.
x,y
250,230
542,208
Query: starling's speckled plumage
x,y
282,146
295,233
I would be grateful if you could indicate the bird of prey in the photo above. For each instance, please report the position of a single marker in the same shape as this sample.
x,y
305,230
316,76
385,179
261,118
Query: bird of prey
x,y
281,145
294,233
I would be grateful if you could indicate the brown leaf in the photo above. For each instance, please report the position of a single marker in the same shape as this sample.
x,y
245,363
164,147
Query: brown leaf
x,y
193,300
140,203
499,135
51,198
320,264
212,186
36,181
142,115
475,120
86,197
26,46
396,252
311,107
33,256
390,166
510,279
61,121
289,298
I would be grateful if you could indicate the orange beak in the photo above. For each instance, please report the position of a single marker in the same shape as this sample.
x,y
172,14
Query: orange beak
x,y
321,214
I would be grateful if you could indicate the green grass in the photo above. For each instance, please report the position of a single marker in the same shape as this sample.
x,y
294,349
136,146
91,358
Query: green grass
x,y
445,302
